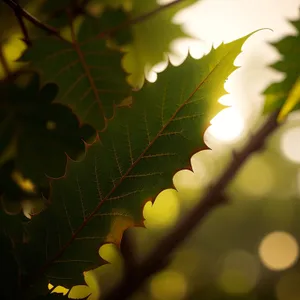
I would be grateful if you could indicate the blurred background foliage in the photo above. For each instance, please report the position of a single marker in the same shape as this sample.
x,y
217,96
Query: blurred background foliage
x,y
248,250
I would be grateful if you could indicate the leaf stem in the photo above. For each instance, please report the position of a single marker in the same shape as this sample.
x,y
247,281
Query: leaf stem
x,y
212,198
19,11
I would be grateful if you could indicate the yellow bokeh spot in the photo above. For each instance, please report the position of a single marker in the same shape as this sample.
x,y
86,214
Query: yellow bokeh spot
x,y
234,282
240,272
58,289
110,253
25,184
288,287
164,212
51,125
252,182
279,251
168,285
290,145
12,49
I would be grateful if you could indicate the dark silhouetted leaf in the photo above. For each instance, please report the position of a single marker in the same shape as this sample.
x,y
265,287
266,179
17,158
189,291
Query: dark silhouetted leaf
x,y
42,132
89,74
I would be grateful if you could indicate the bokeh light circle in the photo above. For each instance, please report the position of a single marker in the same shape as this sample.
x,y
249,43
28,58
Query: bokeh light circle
x,y
278,251
252,182
290,144
288,287
240,272
168,285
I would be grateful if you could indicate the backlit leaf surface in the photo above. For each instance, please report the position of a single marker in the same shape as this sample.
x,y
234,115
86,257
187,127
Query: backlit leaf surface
x,y
134,159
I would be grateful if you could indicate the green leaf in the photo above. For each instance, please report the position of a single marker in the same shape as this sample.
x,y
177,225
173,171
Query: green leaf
x,y
277,93
151,38
42,132
134,159
292,101
89,74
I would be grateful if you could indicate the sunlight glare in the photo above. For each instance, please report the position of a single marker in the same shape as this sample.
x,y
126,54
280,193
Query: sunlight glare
x,y
290,144
278,251
151,76
227,125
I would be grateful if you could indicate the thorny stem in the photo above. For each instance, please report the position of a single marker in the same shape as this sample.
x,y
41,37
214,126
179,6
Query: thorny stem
x,y
213,197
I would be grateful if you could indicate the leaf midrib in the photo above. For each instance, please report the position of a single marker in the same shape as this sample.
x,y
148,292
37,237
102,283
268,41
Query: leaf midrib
x,y
87,71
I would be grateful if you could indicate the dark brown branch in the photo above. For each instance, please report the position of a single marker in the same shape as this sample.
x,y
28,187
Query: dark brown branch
x,y
212,198
127,250
21,12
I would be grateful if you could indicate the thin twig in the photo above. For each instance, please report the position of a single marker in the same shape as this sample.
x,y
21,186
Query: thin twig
x,y
19,10
154,12
140,18
22,25
212,198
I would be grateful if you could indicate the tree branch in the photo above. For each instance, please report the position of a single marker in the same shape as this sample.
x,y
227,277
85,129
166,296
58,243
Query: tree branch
x,y
19,11
213,197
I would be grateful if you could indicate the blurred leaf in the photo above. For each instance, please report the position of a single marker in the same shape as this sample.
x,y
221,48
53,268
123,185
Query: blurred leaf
x,y
89,75
134,159
277,93
151,38
42,132
292,101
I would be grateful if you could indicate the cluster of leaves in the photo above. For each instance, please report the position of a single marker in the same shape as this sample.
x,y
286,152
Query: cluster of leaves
x,y
79,132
